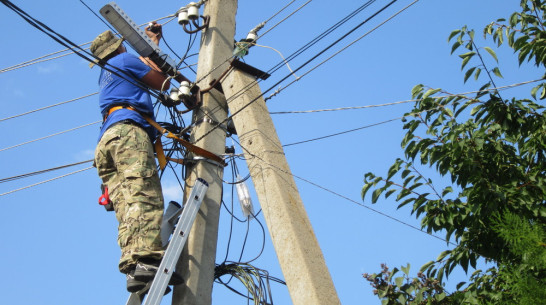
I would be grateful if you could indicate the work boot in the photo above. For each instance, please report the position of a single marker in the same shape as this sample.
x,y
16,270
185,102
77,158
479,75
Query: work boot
x,y
145,272
134,285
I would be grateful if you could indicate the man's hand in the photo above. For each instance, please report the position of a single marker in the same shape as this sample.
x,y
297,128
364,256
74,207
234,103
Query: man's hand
x,y
154,31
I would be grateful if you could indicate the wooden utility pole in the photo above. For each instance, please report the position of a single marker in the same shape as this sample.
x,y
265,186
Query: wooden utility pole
x,y
197,263
298,251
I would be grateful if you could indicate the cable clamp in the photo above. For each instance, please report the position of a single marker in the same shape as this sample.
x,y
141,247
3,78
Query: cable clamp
x,y
197,158
212,122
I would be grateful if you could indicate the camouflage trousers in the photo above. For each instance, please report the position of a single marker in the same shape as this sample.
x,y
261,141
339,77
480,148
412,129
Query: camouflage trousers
x,y
125,162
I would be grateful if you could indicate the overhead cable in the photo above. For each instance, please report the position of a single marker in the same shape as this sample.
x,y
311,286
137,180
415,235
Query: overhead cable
x,y
274,167
51,135
9,179
44,58
93,12
36,61
35,184
408,101
69,44
343,132
43,108
344,48
287,76
284,19
299,51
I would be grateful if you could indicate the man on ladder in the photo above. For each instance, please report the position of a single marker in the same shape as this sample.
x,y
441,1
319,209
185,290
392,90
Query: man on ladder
x,y
124,156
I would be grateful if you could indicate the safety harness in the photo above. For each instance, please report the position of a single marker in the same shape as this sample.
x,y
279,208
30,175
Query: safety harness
x,y
159,146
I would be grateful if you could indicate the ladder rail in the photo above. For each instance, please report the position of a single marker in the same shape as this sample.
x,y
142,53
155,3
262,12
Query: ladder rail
x,y
178,240
174,248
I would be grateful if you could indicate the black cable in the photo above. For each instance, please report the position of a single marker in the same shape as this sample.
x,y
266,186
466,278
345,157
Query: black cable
x,y
169,47
321,36
69,44
342,132
293,72
97,16
8,179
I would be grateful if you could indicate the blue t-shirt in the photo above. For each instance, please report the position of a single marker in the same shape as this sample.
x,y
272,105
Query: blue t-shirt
x,y
116,91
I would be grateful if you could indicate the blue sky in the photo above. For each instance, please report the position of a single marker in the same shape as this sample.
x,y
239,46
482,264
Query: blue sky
x,y
59,247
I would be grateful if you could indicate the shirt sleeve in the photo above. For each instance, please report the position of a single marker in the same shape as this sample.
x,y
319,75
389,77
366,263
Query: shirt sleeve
x,y
135,66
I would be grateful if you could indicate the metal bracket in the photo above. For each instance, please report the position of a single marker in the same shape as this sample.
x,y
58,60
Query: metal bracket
x,y
250,69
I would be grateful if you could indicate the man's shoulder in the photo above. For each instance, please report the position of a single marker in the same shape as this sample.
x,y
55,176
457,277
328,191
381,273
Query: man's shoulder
x,y
123,58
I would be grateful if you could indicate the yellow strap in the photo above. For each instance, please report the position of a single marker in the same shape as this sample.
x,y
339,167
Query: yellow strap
x,y
159,148
193,148
160,154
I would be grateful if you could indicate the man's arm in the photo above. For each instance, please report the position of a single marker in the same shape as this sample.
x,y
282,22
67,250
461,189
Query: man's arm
x,y
154,79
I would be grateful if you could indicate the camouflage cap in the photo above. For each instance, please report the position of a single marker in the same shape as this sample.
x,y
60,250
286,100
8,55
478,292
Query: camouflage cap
x,y
104,45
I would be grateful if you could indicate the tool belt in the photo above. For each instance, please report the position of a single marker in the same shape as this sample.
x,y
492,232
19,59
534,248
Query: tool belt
x,y
158,145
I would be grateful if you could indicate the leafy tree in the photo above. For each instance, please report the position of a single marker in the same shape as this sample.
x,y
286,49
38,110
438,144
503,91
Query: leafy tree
x,y
492,149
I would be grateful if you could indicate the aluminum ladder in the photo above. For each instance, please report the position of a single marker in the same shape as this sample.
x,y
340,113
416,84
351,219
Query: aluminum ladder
x,y
156,288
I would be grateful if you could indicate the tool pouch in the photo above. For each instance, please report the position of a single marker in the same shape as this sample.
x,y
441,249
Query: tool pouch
x,y
104,199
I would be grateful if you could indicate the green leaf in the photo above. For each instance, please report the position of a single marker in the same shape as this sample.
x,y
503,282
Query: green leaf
x,y
488,49
465,62
405,269
399,281
478,71
467,54
430,92
416,90
365,189
375,195
468,73
426,266
543,93
475,109
453,34
534,91
455,46
497,72
389,192
447,190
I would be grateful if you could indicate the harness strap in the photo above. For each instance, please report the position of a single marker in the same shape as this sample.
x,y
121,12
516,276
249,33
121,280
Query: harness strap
x,y
159,147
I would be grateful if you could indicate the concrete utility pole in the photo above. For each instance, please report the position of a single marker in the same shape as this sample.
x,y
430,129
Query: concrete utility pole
x,y
297,248
198,260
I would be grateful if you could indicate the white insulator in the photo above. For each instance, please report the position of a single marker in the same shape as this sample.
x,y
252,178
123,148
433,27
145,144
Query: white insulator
x,y
244,198
193,11
174,94
183,17
251,37
184,90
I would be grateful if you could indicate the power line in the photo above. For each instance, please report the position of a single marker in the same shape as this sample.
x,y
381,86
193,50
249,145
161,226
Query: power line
x,y
51,135
462,95
284,19
287,76
44,58
343,132
347,46
9,179
38,60
35,184
339,195
93,12
50,106
69,44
